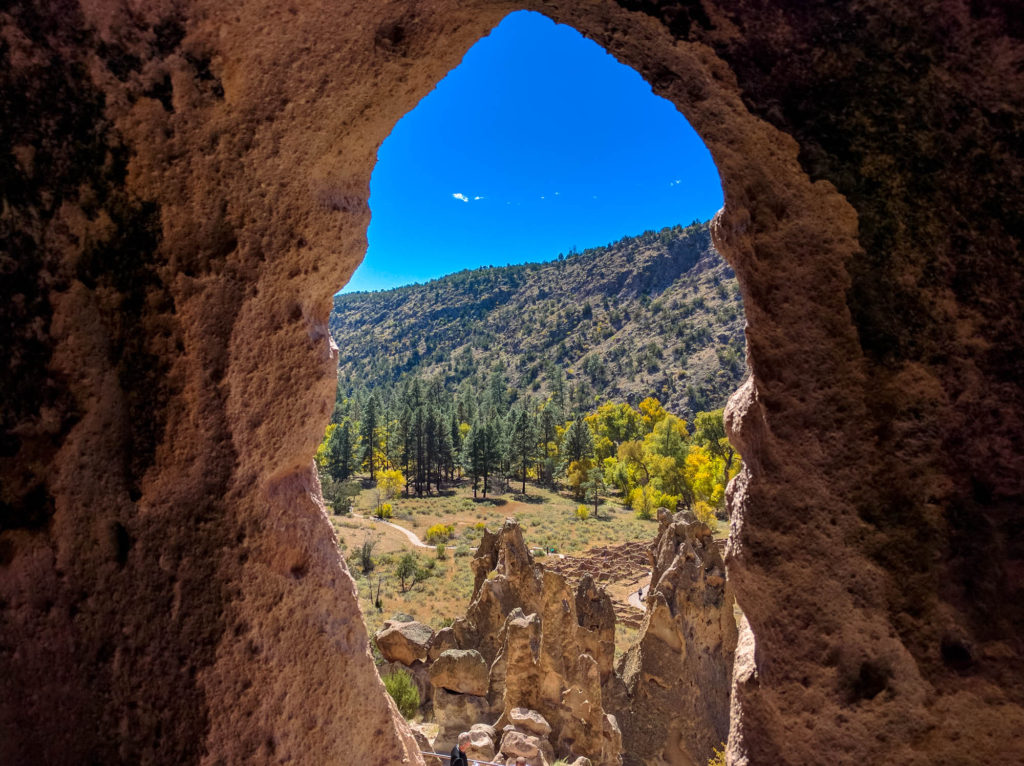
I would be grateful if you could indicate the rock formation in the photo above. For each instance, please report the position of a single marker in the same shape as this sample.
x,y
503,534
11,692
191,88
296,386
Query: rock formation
x,y
186,184
677,676
404,642
549,652
460,681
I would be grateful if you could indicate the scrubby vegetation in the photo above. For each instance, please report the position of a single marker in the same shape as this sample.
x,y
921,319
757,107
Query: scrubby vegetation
x,y
658,314
577,399
403,691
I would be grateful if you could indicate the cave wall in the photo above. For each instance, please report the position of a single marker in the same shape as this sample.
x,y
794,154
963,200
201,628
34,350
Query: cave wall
x,y
185,185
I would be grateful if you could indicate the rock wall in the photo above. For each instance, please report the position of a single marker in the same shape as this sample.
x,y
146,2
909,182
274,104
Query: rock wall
x,y
677,676
549,648
185,185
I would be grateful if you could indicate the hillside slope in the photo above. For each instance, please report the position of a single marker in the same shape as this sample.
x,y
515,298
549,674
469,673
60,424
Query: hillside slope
x,y
657,314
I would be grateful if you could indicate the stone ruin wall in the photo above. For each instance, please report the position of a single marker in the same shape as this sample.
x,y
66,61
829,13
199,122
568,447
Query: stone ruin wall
x,y
185,185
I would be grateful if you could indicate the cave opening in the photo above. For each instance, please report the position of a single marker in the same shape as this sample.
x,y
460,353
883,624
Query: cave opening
x,y
579,394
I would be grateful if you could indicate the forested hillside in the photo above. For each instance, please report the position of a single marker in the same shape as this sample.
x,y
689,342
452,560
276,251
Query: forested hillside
x,y
653,315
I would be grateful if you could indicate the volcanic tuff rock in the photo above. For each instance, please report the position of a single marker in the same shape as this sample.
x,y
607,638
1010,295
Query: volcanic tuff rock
x,y
677,676
456,713
404,642
550,649
185,185
460,670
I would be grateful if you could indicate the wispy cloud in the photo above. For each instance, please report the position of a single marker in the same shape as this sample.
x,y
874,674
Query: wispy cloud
x,y
476,198
461,197
675,183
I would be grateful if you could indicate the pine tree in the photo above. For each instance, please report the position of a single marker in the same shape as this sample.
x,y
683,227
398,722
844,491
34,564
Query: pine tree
x,y
472,454
339,452
369,434
577,443
522,442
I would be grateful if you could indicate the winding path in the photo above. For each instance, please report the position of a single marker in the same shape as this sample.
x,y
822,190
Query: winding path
x,y
634,599
409,534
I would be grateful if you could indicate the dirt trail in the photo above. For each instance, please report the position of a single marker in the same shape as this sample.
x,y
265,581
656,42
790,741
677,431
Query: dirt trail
x,y
411,535
634,597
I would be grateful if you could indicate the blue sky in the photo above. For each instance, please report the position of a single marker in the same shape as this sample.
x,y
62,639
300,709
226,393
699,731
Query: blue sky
x,y
538,142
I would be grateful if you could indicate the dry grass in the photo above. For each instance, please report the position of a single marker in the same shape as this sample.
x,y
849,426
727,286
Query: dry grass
x,y
548,522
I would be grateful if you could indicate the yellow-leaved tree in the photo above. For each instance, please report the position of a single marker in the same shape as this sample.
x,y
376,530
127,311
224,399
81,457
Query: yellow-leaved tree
x,y
390,482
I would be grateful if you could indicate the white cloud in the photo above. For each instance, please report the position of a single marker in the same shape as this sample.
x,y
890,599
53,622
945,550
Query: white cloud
x,y
461,197
476,198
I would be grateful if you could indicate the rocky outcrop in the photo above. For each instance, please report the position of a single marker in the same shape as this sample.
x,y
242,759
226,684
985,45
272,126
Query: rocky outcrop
x,y
185,186
404,642
455,713
460,670
460,684
425,746
482,739
550,650
677,676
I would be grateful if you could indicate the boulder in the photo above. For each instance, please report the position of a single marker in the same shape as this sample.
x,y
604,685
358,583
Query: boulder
x,y
460,670
536,750
456,713
443,639
404,642
486,729
481,743
529,720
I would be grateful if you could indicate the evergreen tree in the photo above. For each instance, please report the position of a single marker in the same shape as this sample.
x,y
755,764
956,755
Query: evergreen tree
x,y
472,454
577,443
369,434
455,444
522,442
339,452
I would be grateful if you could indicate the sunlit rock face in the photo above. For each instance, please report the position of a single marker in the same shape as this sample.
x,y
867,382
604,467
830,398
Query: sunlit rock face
x,y
185,185
677,676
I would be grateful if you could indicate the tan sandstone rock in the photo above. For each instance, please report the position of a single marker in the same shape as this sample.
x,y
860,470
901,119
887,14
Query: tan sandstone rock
x,y
460,670
425,745
404,642
541,633
678,675
481,742
529,720
186,185
456,713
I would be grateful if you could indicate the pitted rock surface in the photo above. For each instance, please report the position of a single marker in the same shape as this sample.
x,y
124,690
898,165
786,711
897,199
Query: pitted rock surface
x,y
185,186
677,677
460,670
550,649
404,642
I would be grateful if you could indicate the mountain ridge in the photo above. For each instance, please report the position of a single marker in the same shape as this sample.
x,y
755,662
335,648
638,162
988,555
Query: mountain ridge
x,y
657,314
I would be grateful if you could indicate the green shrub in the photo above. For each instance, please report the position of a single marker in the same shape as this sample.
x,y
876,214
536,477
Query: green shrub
x,y
461,551
403,691
442,552
366,563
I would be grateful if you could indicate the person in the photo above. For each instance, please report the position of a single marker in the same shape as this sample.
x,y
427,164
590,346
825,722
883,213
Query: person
x,y
458,756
